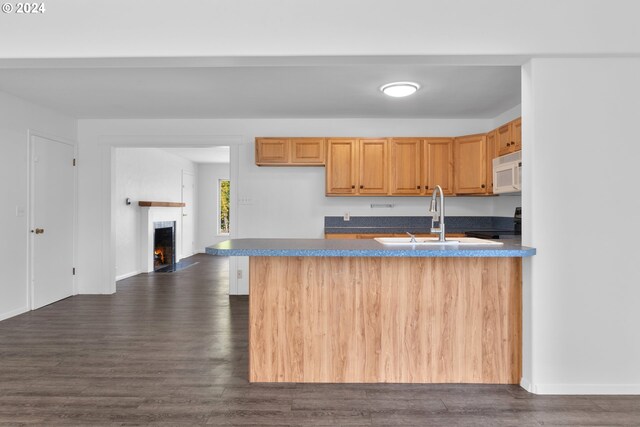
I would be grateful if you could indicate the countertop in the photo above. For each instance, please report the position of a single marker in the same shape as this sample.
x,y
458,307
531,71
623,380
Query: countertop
x,y
359,248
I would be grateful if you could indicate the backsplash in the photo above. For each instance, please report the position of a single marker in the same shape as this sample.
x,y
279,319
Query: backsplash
x,y
413,224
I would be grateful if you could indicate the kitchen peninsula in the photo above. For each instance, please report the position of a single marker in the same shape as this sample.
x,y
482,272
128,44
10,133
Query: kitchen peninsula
x,y
348,311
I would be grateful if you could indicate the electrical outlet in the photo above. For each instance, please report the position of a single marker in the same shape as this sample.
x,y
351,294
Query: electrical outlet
x,y
239,274
346,216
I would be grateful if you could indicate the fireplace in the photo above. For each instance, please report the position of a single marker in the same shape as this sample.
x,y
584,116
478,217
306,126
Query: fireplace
x,y
164,245
159,226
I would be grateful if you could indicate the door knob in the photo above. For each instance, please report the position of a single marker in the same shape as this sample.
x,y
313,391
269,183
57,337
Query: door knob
x,y
38,230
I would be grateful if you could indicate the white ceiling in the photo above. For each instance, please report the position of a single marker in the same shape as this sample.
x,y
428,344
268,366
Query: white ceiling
x,y
324,91
202,155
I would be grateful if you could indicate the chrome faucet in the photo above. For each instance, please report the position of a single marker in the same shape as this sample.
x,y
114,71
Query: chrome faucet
x,y
438,216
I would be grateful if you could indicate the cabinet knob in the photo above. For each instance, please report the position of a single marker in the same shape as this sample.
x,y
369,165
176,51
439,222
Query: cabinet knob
x,y
482,186
426,187
353,186
418,187
362,186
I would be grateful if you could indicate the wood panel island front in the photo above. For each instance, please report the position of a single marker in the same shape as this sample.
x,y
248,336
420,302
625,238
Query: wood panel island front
x,y
353,311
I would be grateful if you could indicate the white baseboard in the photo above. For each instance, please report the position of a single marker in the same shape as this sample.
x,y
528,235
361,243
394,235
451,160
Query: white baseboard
x,y
13,313
97,292
127,275
526,384
580,389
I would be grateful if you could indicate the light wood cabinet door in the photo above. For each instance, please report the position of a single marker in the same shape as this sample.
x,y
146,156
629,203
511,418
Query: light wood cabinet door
x,y
307,151
503,138
438,165
405,167
516,134
341,166
471,164
373,160
492,153
510,137
271,151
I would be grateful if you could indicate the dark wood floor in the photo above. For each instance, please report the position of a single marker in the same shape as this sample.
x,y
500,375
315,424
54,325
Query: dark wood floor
x,y
171,349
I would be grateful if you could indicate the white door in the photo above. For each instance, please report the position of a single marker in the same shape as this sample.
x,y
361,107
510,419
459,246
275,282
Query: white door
x,y
52,213
188,220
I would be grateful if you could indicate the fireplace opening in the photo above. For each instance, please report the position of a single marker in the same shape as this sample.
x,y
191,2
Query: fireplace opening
x,y
164,246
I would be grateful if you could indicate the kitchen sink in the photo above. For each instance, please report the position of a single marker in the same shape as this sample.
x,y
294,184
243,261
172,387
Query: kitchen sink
x,y
433,241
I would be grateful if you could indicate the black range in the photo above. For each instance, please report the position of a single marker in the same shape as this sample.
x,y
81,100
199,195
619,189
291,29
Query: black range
x,y
493,234
512,233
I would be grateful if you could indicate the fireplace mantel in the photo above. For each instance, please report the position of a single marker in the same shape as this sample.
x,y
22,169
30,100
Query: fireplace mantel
x,y
161,204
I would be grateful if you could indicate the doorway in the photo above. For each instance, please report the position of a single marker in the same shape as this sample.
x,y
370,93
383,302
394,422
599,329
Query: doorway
x,y
166,173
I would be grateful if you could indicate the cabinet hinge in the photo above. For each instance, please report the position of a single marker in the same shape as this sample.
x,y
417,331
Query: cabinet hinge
x,y
74,162
74,271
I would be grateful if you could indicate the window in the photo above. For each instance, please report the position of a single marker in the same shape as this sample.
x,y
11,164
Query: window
x,y
223,206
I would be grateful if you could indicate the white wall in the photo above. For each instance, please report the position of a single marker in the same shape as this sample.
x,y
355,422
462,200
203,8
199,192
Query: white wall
x,y
17,118
144,174
207,28
581,212
208,201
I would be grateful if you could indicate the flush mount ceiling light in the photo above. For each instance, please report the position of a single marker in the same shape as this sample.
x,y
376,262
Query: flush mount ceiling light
x,y
400,89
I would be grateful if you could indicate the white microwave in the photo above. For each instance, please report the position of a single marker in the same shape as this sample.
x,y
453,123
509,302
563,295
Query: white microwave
x,y
507,173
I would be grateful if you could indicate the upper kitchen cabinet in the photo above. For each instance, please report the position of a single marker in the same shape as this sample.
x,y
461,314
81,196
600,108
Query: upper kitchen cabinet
x,y
272,151
405,166
408,166
438,165
357,167
418,165
471,164
517,133
492,153
290,151
307,151
509,137
373,161
342,157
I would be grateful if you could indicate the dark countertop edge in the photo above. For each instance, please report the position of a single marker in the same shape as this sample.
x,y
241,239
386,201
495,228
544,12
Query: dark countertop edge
x,y
416,253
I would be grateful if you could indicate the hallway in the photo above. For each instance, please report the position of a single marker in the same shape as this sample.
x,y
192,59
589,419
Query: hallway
x,y
171,348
